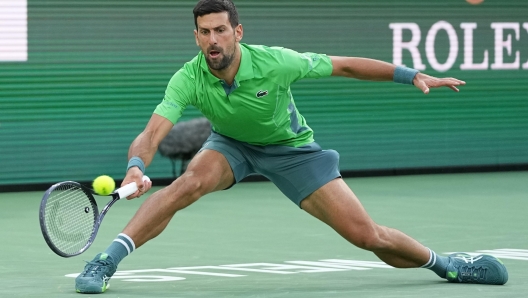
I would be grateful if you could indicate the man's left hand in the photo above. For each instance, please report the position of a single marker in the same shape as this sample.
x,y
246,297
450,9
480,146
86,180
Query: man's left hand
x,y
424,82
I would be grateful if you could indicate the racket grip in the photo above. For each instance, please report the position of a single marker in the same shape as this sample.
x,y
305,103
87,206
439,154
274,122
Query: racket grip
x,y
129,189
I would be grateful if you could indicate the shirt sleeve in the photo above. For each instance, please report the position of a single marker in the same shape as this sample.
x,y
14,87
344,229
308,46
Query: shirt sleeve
x,y
179,94
297,66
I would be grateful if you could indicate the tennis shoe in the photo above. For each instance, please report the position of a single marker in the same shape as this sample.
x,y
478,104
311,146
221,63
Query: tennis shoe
x,y
96,275
481,269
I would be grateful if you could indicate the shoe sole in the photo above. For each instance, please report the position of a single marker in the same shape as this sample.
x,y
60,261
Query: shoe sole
x,y
92,290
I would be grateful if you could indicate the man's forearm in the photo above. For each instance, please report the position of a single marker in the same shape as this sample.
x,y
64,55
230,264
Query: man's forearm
x,y
362,68
143,147
146,143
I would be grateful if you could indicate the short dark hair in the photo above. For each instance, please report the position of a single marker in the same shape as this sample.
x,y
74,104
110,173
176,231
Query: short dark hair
x,y
204,7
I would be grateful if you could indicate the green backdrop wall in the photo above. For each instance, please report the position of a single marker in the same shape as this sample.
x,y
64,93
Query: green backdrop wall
x,y
80,79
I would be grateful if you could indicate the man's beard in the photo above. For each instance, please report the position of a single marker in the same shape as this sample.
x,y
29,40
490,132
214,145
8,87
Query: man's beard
x,y
221,64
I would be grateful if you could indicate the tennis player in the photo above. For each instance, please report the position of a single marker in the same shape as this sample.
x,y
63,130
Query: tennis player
x,y
244,90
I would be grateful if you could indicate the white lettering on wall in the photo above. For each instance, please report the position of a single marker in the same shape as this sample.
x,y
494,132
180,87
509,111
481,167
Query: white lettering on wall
x,y
525,65
501,44
412,46
13,30
468,49
430,46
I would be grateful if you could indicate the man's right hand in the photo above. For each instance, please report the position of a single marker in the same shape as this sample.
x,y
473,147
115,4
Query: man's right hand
x,y
134,174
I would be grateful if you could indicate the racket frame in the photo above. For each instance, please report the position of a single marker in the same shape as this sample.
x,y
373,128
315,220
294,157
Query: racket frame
x,y
122,192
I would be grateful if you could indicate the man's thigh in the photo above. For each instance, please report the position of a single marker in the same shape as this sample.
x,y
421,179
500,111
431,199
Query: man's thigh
x,y
234,154
212,169
336,205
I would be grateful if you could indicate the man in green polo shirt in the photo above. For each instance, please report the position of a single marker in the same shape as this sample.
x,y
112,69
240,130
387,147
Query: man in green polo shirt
x,y
256,106
245,92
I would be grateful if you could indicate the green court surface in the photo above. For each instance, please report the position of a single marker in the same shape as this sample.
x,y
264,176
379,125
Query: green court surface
x,y
250,241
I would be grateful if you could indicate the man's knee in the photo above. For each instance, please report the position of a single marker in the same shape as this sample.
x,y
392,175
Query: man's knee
x,y
196,184
375,238
185,190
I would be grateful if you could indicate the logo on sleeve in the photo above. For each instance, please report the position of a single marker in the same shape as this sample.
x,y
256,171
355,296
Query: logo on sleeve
x,y
262,93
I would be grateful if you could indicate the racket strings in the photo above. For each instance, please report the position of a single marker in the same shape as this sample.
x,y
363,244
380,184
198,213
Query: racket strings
x,y
70,218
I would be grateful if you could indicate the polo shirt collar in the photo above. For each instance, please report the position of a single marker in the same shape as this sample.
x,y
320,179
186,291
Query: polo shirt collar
x,y
245,70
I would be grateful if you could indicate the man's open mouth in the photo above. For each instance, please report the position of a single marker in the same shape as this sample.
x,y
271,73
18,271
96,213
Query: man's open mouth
x,y
214,54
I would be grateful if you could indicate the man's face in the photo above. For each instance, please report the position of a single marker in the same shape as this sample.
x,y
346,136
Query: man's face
x,y
217,39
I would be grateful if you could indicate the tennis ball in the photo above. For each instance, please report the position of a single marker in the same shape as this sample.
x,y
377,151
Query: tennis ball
x,y
103,185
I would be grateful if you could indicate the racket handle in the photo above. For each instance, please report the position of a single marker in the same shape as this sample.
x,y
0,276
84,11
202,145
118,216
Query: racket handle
x,y
129,189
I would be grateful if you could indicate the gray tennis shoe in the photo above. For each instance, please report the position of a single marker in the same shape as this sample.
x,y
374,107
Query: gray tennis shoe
x,y
481,269
96,275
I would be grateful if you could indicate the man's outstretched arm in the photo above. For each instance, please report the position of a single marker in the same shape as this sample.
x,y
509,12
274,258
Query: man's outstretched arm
x,y
376,70
143,149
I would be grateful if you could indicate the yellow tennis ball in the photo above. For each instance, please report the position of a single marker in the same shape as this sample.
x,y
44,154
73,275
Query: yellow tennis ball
x,y
103,185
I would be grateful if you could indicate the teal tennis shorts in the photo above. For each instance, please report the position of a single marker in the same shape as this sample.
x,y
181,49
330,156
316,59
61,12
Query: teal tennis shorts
x,y
297,172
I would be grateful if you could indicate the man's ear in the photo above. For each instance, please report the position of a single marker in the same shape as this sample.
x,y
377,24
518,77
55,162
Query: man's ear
x,y
196,37
239,32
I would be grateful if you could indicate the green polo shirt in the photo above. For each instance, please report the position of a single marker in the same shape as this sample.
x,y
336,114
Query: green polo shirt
x,y
258,108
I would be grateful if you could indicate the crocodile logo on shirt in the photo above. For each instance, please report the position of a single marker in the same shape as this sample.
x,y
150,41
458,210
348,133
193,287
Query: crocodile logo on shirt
x,y
262,93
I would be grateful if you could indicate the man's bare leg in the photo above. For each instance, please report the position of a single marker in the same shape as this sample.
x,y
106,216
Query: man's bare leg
x,y
208,171
336,205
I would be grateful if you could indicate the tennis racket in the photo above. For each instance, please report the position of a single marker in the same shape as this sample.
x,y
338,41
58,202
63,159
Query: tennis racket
x,y
69,217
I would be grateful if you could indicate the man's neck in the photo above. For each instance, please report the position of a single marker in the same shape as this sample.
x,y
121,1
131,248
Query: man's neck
x,y
228,74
